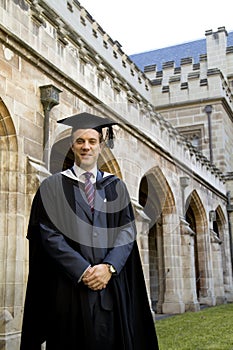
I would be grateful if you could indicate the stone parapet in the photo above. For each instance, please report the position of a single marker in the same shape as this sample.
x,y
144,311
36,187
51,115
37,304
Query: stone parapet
x,y
66,32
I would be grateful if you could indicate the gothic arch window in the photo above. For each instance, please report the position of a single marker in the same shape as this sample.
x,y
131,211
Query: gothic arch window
x,y
215,227
219,223
193,134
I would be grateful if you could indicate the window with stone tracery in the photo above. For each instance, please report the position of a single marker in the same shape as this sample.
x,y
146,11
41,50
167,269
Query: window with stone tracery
x,y
193,135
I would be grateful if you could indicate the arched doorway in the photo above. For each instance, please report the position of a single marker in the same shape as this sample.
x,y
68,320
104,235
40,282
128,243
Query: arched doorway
x,y
156,198
221,230
196,217
190,218
12,234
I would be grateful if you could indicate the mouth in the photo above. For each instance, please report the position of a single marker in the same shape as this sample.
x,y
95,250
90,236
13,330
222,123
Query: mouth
x,y
85,155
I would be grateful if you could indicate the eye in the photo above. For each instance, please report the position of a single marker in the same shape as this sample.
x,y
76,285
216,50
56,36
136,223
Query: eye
x,y
79,141
93,141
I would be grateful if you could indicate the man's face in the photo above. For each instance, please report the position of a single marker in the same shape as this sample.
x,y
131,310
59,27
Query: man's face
x,y
86,147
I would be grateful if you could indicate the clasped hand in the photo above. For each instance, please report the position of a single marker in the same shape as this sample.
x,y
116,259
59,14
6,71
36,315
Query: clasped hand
x,y
97,277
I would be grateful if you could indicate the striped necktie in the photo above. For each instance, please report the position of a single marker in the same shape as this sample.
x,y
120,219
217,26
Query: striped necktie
x,y
89,189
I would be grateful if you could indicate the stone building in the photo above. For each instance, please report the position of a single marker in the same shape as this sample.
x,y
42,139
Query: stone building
x,y
55,61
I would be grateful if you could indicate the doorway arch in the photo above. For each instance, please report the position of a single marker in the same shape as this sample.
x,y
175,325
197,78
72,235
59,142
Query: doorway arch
x,y
157,200
11,239
195,215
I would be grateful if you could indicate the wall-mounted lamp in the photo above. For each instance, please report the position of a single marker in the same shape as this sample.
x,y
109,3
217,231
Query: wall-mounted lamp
x,y
49,96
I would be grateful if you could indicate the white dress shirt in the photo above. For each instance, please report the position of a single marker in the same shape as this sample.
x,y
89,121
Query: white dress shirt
x,y
79,172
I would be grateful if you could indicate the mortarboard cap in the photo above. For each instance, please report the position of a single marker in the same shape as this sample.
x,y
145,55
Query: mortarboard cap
x,y
91,121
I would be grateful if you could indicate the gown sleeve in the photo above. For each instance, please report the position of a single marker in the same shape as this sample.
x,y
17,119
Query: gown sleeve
x,y
126,230
56,246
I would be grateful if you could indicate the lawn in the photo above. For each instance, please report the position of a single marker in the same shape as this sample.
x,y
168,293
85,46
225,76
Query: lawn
x,y
208,329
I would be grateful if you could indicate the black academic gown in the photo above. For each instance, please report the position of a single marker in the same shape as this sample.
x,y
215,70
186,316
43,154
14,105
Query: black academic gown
x,y
58,307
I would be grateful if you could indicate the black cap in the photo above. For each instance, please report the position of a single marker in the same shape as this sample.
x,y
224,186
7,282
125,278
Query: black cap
x,y
91,121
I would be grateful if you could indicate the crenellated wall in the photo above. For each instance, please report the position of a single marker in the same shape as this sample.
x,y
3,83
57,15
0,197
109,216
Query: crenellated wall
x,y
208,78
181,94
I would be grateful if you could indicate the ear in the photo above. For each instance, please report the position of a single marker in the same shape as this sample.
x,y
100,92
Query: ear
x,y
72,146
102,145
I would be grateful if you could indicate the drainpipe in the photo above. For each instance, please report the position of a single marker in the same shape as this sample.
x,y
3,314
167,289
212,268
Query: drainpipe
x,y
229,211
49,97
208,110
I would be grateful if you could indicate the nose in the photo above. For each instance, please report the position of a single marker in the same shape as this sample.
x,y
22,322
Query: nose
x,y
85,145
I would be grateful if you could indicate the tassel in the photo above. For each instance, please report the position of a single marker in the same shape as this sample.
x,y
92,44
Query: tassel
x,y
109,137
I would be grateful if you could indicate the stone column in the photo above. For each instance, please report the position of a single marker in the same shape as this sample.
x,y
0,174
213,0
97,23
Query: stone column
x,y
227,277
142,224
12,245
173,302
217,268
207,295
161,272
188,264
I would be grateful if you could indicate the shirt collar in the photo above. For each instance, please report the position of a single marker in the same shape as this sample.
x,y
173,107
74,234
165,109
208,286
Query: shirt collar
x,y
79,173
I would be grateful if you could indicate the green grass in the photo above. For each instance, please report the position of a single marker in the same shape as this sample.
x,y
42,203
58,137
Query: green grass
x,y
208,329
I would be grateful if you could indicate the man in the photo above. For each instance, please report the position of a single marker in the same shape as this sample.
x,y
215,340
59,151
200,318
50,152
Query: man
x,y
85,286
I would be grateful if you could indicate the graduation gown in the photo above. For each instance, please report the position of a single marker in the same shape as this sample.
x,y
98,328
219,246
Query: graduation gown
x,y
65,237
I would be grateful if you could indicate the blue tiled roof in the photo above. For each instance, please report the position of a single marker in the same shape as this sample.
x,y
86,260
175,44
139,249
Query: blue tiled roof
x,y
174,53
